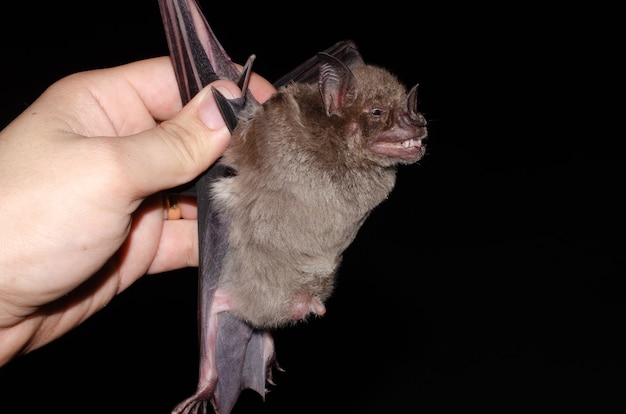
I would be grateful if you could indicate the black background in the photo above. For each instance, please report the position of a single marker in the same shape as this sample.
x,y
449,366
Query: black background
x,y
491,279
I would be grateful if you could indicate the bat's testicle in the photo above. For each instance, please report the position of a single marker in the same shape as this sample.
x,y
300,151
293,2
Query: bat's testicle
x,y
304,304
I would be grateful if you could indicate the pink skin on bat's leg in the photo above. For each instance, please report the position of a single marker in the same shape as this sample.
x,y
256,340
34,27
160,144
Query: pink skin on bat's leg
x,y
208,370
221,303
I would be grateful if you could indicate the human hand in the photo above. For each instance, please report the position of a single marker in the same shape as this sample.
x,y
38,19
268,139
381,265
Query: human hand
x,y
81,170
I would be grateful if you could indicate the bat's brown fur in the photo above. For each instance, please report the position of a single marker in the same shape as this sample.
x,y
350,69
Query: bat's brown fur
x,y
310,165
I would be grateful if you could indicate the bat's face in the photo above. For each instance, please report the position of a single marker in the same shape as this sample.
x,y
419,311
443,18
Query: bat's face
x,y
387,126
399,133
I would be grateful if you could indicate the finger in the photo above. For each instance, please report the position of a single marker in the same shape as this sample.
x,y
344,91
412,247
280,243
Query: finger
x,y
261,88
178,150
178,246
117,101
152,80
188,207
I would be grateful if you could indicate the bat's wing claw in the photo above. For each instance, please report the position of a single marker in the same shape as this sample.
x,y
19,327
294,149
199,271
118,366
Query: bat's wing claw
x,y
244,79
229,108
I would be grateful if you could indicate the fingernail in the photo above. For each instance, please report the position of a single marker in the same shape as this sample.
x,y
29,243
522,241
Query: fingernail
x,y
209,112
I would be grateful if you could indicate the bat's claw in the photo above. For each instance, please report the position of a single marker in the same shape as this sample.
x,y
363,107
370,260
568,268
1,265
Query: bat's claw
x,y
273,365
277,367
244,79
231,108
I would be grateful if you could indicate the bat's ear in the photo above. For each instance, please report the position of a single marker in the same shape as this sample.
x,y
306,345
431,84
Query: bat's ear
x,y
351,57
337,84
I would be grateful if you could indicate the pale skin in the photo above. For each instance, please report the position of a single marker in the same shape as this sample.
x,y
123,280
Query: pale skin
x,y
81,173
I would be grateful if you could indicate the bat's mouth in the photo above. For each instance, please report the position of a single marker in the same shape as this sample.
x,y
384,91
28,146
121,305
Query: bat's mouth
x,y
411,143
409,150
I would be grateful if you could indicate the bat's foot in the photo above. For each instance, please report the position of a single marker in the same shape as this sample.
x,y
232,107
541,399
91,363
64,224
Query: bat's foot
x,y
272,366
191,405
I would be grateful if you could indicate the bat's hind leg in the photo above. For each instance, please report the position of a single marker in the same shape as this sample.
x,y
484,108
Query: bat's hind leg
x,y
198,403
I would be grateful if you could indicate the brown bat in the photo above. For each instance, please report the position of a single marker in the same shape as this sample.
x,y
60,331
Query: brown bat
x,y
301,174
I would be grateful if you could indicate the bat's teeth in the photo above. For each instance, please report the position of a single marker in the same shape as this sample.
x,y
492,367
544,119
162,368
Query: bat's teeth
x,y
411,143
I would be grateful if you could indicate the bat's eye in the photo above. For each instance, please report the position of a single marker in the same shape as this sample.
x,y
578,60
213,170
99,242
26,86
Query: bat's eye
x,y
377,112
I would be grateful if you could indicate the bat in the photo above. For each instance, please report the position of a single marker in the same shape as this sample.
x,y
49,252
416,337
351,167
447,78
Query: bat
x,y
301,174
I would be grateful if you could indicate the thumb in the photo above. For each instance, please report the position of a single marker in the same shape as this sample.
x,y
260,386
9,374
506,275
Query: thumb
x,y
181,148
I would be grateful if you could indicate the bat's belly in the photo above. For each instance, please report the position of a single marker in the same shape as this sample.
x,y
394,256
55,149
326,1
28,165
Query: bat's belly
x,y
272,288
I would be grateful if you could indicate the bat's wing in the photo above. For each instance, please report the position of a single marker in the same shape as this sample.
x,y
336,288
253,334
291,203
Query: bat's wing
x,y
233,355
308,71
231,352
